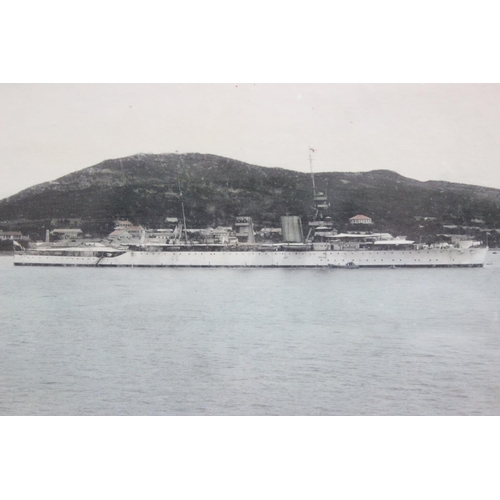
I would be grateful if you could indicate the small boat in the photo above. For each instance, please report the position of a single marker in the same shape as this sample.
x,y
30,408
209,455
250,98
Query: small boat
x,y
351,265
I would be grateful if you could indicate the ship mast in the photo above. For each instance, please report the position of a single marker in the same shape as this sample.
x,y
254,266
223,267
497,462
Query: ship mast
x,y
182,205
320,204
181,199
311,150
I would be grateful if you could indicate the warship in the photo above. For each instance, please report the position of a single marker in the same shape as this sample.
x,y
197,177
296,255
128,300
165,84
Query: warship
x,y
323,247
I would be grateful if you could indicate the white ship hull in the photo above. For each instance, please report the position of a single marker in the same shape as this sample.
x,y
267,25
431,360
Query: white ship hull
x,y
430,257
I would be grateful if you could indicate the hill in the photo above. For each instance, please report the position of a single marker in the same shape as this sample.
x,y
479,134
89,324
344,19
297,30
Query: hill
x,y
145,189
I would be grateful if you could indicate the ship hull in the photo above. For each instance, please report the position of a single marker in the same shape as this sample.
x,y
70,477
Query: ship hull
x,y
452,257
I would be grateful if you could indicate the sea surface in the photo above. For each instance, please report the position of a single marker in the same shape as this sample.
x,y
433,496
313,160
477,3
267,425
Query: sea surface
x,y
101,341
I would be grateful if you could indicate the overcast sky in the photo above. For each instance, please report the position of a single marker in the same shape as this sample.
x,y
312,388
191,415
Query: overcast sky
x,y
423,131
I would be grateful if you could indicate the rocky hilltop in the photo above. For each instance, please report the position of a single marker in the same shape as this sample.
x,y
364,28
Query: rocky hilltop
x,y
145,189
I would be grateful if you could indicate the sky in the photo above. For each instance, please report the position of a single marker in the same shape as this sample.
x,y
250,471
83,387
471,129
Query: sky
x,y
423,131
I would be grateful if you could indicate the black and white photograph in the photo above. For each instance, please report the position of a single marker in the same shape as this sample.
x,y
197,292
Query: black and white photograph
x,y
258,261
216,281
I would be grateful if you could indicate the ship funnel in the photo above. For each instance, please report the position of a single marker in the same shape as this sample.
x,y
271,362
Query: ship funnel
x,y
244,230
291,228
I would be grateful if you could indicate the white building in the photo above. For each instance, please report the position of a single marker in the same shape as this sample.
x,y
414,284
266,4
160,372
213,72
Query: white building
x,y
123,224
360,219
136,231
12,235
121,236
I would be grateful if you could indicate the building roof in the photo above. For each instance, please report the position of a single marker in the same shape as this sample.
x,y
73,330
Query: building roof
x,y
393,242
117,232
360,217
66,231
377,236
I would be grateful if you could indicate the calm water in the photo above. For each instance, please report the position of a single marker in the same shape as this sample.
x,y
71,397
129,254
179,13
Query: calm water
x,y
78,341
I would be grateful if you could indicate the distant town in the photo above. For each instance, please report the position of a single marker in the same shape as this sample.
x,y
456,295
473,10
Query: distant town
x,y
68,231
